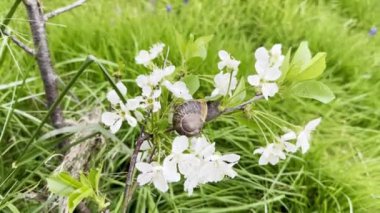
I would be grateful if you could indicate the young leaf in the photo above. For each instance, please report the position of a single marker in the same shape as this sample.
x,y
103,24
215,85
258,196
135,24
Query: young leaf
x,y
239,94
314,90
62,184
58,187
302,56
94,178
285,65
192,83
198,48
314,69
78,195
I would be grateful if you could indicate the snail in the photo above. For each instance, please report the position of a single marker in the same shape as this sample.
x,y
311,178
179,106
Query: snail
x,y
190,117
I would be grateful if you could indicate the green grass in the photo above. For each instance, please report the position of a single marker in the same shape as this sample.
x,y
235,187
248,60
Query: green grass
x,y
340,173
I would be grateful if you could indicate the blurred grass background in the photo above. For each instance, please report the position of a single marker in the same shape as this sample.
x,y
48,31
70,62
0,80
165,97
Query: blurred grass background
x,y
341,173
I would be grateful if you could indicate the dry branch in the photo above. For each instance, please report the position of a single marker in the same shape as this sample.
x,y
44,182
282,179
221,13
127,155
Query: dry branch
x,y
63,9
19,43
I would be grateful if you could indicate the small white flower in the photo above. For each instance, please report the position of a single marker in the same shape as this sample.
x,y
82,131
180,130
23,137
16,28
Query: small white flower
x,y
207,166
272,154
227,61
178,159
179,89
304,137
115,119
268,70
143,154
218,166
113,97
223,86
143,57
152,173
289,147
156,50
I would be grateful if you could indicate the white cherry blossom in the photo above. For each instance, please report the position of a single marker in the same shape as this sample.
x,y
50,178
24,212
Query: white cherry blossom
x,y
284,140
224,83
304,137
152,173
226,61
156,50
178,89
272,154
268,70
177,159
115,119
145,57
113,97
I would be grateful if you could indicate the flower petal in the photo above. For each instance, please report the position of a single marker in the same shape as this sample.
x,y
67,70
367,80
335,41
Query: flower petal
x,y
254,80
131,120
269,89
303,141
116,126
231,158
109,118
144,167
312,125
159,182
144,178
289,136
180,144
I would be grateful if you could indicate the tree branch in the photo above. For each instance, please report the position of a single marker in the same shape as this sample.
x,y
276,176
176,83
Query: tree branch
x,y
63,9
128,183
42,54
241,106
19,43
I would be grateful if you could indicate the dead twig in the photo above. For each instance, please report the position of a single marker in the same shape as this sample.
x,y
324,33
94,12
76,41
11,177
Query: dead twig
x,y
19,43
63,9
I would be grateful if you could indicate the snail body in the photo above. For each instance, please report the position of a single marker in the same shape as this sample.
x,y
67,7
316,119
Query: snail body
x,y
190,117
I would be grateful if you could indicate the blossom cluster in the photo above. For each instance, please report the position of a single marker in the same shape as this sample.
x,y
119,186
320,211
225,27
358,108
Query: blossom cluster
x,y
193,158
151,86
275,151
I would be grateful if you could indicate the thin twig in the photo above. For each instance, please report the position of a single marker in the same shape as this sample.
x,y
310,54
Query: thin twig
x,y
128,183
241,106
19,43
63,9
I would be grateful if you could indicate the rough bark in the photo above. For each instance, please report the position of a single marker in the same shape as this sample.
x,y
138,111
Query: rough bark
x,y
42,55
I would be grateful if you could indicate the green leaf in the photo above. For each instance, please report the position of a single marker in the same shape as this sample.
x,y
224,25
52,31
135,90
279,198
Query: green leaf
x,y
301,58
314,90
62,184
303,55
198,48
94,178
78,195
239,94
285,66
59,187
314,69
192,83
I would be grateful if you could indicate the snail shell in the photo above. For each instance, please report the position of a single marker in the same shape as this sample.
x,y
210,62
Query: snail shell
x,y
189,117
